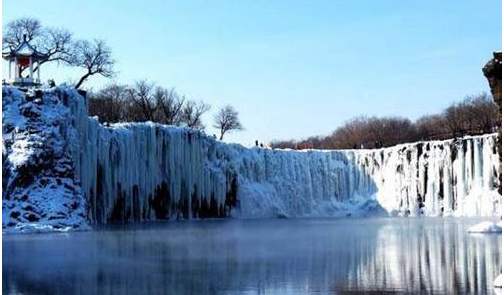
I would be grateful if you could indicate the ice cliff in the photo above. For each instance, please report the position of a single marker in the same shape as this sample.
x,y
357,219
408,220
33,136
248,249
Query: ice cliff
x,y
146,171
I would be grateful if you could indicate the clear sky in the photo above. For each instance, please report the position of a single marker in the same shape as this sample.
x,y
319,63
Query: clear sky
x,y
291,68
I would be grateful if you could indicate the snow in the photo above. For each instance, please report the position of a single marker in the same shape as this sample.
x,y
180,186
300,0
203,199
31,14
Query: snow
x,y
498,282
146,171
436,178
486,227
25,49
40,191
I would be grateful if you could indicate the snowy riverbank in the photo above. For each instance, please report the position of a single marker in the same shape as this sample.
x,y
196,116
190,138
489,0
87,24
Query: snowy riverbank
x,y
486,227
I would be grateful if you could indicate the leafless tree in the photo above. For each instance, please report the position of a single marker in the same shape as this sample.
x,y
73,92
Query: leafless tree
x,y
56,44
481,112
192,113
367,132
226,120
143,106
284,144
95,57
109,104
476,114
170,105
455,119
353,134
145,101
431,127
18,29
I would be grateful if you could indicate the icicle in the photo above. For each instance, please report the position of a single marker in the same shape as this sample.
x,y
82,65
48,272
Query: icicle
x,y
149,171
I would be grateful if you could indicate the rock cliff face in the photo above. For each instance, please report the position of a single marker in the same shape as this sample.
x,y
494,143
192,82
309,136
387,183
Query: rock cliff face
x,y
69,168
40,190
493,72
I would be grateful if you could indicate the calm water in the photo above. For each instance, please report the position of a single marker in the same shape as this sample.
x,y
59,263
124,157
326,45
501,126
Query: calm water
x,y
318,256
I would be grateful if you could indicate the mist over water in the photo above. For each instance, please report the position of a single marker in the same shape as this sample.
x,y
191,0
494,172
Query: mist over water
x,y
277,256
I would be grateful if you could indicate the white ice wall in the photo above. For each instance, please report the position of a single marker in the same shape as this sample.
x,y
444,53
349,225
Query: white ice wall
x,y
123,167
451,177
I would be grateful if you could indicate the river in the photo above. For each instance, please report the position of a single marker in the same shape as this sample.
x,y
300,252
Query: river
x,y
266,256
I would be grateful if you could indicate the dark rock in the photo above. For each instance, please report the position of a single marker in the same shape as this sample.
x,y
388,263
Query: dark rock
x,y
54,217
7,128
15,214
39,93
69,187
30,112
43,182
493,72
23,197
282,216
31,217
28,207
29,96
74,205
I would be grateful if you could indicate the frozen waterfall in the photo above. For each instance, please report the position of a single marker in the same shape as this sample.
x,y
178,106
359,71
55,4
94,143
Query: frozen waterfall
x,y
144,171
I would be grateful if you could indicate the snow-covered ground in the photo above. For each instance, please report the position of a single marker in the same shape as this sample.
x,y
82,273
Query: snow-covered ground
x,y
40,191
486,227
145,171
498,282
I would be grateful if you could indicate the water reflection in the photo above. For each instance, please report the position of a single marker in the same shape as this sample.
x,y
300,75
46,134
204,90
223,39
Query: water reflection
x,y
434,256
438,256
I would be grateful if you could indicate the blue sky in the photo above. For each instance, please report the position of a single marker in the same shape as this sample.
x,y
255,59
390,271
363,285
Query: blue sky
x,y
291,68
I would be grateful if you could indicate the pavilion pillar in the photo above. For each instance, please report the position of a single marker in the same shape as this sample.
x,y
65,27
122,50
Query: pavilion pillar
x,y
16,68
31,68
10,69
38,73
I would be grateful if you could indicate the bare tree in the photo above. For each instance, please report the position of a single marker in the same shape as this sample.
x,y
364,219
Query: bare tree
x,y
109,104
227,120
431,127
352,134
143,106
283,144
455,119
476,114
145,101
192,113
56,44
482,112
170,105
95,57
16,30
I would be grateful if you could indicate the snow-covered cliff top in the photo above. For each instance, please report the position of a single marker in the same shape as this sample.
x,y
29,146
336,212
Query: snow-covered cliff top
x,y
40,191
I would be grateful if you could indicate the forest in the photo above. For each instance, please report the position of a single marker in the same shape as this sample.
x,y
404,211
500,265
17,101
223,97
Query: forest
x,y
476,114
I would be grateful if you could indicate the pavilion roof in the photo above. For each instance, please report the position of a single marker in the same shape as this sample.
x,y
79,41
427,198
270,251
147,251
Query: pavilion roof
x,y
24,49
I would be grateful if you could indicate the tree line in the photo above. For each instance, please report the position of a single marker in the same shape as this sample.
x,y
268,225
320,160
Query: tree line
x,y
146,101
143,101
476,114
